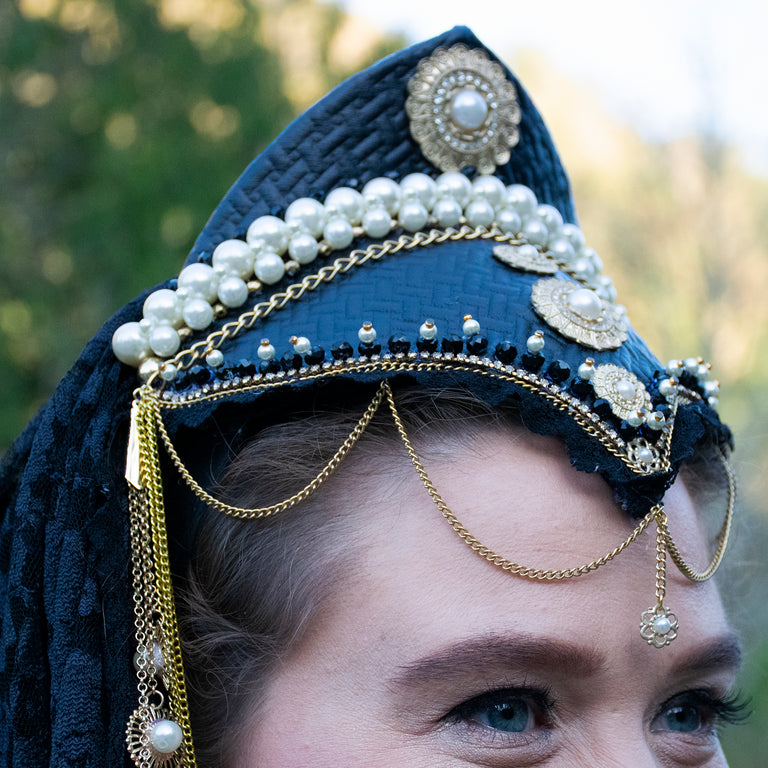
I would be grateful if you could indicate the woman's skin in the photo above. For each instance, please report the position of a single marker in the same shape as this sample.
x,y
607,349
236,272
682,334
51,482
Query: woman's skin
x,y
428,656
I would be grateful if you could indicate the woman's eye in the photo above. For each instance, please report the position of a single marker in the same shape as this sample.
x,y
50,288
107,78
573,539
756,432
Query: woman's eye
x,y
512,711
682,719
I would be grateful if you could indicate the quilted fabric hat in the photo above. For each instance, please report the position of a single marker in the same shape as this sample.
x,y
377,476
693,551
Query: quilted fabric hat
x,y
414,226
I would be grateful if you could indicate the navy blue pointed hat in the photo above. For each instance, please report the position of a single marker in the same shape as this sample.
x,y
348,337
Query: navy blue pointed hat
x,y
415,225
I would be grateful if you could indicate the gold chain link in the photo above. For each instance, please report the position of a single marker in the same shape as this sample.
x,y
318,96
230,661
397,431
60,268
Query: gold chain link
x,y
661,555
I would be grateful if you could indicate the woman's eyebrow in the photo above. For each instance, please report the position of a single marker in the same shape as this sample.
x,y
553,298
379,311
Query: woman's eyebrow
x,y
505,652
722,652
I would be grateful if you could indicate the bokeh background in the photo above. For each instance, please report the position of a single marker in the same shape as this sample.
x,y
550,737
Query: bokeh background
x,y
123,122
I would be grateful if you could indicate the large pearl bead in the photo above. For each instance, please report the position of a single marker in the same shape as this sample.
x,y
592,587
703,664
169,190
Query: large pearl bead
x,y
377,222
303,248
447,212
163,307
490,189
420,187
413,216
268,233
234,257
625,389
338,233
535,232
385,191
164,341
199,280
551,217
561,250
269,268
346,202
165,736
455,185
574,235
586,304
469,109
307,215
130,344
198,314
233,292
522,200
509,221
480,213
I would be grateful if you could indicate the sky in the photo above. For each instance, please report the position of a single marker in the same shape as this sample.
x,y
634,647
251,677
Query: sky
x,y
667,68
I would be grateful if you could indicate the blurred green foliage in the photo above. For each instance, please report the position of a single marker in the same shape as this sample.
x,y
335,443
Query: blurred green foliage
x,y
123,122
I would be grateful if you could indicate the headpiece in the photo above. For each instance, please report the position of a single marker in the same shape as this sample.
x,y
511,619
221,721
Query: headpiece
x,y
415,224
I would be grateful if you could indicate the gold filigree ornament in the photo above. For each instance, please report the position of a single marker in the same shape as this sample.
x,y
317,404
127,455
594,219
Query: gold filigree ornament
x,y
526,257
578,313
625,393
463,110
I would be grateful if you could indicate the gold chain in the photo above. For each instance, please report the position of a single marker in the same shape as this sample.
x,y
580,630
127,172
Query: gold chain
x,y
356,258
722,536
662,533
163,587
488,554
305,492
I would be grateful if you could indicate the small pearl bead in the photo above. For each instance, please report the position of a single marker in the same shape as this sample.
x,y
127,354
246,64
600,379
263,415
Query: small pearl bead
x,y
535,232
574,235
303,248
656,420
420,186
713,401
586,304
471,326
645,455
377,222
428,330
307,215
469,109
268,232
367,334
675,367
348,202
522,200
301,344
413,216
165,736
691,365
385,191
198,314
447,212
454,185
661,625
490,189
338,233
711,388
200,281
480,213
509,221
233,292
269,268
584,269
214,358
587,369
265,350
551,218
163,307
234,257
636,419
561,250
590,254
535,343
667,388
164,341
704,372
130,344
168,372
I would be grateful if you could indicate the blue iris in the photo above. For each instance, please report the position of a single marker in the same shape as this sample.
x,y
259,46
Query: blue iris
x,y
513,716
682,719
